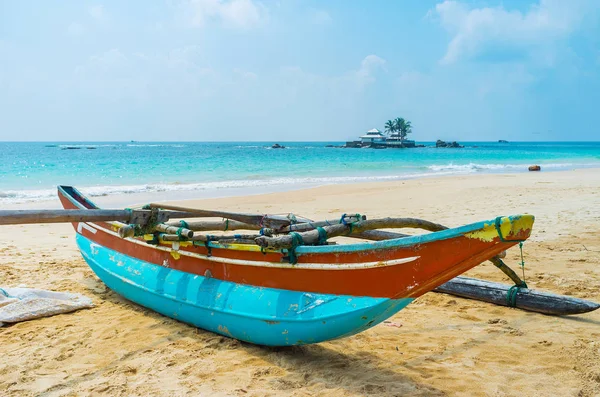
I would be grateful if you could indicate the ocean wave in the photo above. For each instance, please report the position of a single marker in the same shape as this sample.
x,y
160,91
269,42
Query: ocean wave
x,y
475,167
24,196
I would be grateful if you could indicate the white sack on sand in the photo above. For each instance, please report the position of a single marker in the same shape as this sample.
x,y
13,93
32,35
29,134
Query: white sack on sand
x,y
21,304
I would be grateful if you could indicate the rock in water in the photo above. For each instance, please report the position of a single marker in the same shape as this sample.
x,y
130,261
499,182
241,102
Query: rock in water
x,y
535,168
453,144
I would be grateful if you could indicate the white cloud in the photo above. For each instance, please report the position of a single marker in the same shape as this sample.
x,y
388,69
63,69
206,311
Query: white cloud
x,y
234,13
369,66
96,12
476,30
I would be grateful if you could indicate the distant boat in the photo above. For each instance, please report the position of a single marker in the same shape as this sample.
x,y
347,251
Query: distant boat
x,y
502,141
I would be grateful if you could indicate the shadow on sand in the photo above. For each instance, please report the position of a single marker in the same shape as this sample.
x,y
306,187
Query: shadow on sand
x,y
309,367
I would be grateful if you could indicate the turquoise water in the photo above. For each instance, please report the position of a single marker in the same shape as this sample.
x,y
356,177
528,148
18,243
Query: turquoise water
x,y
31,171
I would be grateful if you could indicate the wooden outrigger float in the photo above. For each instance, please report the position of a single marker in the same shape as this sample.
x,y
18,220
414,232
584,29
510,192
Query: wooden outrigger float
x,y
286,285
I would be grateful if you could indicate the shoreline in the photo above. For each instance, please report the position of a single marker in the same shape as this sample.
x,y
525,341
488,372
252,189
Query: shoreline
x,y
119,199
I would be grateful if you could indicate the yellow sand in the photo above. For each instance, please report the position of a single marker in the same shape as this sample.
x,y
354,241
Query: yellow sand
x,y
439,345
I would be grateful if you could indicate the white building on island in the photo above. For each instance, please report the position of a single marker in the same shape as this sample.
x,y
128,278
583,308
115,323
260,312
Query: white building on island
x,y
373,136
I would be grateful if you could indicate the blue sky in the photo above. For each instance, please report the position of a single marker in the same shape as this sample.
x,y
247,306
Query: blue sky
x,y
221,70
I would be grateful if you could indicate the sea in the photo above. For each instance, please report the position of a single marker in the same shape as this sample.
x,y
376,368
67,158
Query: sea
x,y
30,171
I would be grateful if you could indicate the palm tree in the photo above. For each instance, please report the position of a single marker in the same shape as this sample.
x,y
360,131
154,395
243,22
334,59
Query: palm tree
x,y
400,124
390,127
407,129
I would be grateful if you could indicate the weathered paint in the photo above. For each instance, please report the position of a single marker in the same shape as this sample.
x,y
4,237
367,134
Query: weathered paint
x,y
265,316
510,229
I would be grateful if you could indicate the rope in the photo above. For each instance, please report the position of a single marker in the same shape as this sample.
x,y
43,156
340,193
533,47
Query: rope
x,y
209,238
351,225
181,237
322,236
296,241
226,225
511,295
497,225
150,226
522,262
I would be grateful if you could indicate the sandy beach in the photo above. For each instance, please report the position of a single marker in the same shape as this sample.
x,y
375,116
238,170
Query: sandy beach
x,y
438,346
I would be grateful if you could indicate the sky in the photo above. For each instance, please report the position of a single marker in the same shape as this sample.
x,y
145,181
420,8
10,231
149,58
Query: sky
x,y
248,70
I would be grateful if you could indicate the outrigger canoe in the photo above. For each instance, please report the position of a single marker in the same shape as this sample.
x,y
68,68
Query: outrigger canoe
x,y
259,295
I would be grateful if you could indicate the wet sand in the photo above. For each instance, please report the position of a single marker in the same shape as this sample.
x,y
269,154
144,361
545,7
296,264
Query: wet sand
x,y
439,345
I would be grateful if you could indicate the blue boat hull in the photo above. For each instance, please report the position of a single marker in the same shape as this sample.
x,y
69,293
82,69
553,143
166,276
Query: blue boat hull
x,y
259,315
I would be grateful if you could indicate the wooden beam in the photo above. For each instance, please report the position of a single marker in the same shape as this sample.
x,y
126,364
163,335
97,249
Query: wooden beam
x,y
16,217
526,299
270,221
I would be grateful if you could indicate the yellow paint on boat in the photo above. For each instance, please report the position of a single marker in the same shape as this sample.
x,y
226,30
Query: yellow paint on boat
x,y
523,222
508,226
245,247
175,254
488,233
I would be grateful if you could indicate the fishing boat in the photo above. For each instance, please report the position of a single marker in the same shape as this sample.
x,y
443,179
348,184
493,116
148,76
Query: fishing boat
x,y
296,288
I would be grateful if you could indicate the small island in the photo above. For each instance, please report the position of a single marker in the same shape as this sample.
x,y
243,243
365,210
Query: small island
x,y
397,130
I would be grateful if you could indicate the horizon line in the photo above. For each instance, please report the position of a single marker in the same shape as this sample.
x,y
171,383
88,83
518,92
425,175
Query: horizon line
x,y
277,141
